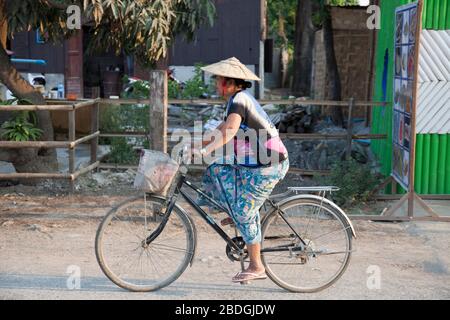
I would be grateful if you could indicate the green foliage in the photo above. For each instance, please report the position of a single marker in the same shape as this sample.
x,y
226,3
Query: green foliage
x,y
174,90
20,129
14,101
143,28
281,19
324,12
122,152
355,180
194,87
126,118
23,125
341,3
140,90
120,118
113,118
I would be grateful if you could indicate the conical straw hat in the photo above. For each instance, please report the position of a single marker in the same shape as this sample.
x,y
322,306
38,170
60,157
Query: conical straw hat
x,y
231,68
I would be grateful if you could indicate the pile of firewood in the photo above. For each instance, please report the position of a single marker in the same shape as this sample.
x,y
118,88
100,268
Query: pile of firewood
x,y
296,121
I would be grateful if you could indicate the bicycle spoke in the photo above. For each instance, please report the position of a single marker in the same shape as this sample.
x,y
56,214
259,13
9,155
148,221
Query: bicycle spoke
x,y
125,259
167,247
323,235
331,253
153,262
325,254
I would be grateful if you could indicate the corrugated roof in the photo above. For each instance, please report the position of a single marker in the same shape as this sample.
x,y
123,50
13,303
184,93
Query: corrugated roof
x,y
433,108
434,63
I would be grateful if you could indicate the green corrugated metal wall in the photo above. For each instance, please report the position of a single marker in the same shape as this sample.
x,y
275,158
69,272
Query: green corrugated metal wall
x,y
436,14
433,151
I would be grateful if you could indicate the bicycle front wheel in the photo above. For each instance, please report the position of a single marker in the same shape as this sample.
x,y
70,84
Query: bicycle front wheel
x,y
306,245
126,258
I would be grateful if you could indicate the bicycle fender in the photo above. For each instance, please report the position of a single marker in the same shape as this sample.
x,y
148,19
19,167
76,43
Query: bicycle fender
x,y
194,228
325,200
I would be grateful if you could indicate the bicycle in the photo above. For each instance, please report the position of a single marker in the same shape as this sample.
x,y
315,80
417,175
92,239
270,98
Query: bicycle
x,y
145,243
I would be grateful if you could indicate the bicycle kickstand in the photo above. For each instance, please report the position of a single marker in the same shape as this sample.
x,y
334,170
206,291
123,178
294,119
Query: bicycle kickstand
x,y
241,258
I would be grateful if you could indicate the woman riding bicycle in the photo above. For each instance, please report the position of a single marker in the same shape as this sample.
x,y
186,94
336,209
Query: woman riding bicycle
x,y
243,180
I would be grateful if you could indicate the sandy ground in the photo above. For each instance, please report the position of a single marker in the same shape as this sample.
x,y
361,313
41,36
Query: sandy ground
x,y
44,235
47,235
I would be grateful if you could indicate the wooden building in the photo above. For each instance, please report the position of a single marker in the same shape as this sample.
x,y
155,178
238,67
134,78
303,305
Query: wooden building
x,y
238,31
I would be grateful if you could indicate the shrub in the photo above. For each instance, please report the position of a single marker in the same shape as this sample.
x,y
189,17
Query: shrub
x,y
136,90
19,129
194,88
125,118
174,90
355,180
122,152
23,125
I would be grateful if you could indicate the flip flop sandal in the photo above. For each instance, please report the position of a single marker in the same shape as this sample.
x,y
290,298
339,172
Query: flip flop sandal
x,y
248,276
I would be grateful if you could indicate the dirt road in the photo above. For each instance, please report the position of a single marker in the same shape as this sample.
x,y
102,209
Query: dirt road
x,y
46,240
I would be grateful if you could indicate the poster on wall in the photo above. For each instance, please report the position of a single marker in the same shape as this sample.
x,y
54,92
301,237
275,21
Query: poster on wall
x,y
404,76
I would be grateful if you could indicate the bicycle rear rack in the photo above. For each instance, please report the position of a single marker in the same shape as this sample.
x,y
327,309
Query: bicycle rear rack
x,y
322,190
314,189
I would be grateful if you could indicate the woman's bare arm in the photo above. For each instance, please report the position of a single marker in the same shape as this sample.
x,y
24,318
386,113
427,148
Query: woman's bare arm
x,y
224,133
210,135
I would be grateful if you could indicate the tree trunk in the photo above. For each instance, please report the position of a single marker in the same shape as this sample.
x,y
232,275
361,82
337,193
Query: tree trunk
x,y
303,50
284,62
334,80
29,159
284,54
163,62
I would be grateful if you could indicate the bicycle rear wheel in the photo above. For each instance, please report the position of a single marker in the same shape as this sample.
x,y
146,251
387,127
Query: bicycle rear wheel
x,y
124,256
316,262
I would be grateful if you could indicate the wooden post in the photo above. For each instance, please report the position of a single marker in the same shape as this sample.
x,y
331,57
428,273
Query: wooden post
x,y
158,110
94,128
71,115
350,129
412,152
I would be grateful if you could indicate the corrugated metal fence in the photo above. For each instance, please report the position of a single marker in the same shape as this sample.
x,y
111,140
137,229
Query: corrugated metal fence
x,y
433,117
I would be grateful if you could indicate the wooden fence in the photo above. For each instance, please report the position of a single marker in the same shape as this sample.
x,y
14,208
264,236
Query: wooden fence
x,y
70,107
348,137
158,132
158,124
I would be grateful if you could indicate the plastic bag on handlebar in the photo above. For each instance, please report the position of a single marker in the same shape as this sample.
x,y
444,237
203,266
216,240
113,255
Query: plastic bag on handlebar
x,y
156,172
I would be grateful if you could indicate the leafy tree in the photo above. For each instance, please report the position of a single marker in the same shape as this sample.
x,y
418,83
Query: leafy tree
x,y
281,20
313,15
143,28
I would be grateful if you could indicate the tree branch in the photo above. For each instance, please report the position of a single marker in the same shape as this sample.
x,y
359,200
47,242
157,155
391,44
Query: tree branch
x,y
57,5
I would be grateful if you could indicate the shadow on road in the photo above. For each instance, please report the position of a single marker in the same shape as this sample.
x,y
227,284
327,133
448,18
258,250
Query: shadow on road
x,y
102,284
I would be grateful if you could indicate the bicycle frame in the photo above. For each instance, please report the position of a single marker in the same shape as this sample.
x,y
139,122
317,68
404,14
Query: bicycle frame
x,y
210,221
